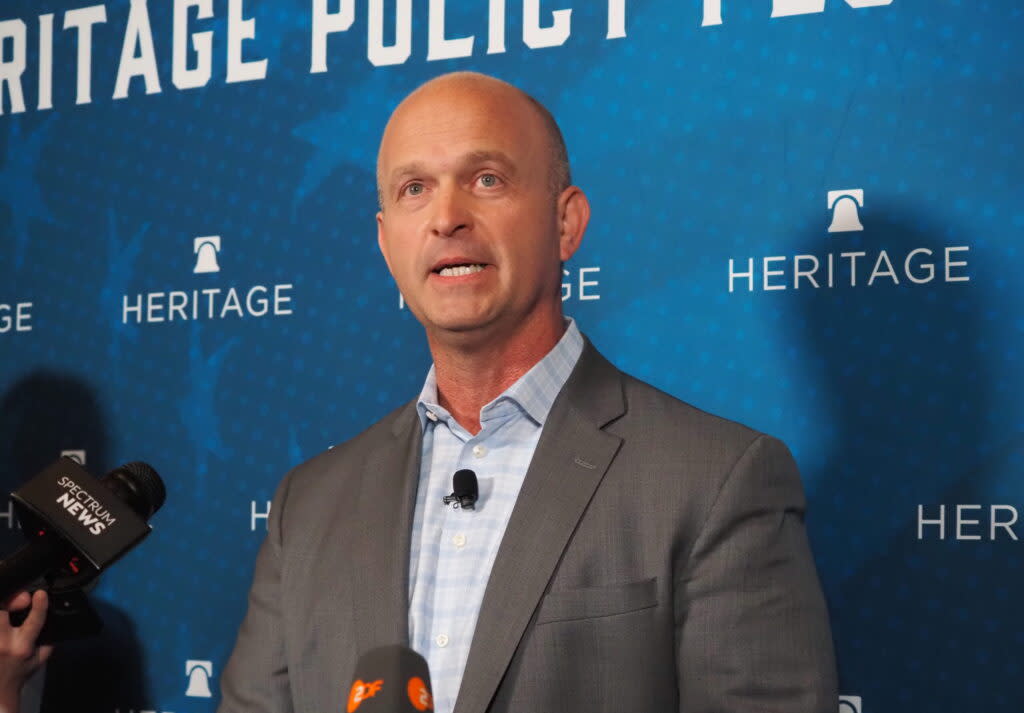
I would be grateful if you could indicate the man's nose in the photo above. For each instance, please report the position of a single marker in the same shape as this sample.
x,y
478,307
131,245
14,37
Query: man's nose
x,y
451,212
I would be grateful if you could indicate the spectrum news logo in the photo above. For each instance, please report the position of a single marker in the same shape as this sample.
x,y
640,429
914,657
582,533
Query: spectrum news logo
x,y
207,302
917,266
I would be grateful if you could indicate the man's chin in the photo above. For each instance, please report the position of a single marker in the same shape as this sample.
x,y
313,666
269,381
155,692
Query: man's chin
x,y
462,328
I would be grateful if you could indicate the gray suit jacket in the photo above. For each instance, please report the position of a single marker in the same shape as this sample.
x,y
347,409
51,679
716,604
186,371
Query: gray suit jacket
x,y
656,560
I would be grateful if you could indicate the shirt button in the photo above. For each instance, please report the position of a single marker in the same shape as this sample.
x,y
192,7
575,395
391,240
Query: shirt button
x,y
441,640
459,540
479,451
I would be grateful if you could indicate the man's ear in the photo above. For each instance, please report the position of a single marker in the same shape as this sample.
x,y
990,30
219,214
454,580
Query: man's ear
x,y
380,239
573,217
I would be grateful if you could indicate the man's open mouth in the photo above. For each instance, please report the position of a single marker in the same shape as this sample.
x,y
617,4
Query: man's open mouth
x,y
459,270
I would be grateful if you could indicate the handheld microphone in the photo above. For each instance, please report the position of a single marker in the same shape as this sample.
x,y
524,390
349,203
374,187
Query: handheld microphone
x,y
465,490
390,679
79,525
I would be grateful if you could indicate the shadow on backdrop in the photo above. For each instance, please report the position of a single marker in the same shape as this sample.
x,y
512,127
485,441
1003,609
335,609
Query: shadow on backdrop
x,y
42,415
908,394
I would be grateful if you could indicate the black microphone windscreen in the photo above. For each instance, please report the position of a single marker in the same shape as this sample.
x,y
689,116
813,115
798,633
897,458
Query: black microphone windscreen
x,y
138,485
464,483
390,679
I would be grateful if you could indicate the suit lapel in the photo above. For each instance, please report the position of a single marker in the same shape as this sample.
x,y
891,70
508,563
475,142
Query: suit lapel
x,y
572,457
387,501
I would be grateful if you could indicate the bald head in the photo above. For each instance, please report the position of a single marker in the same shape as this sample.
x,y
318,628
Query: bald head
x,y
449,91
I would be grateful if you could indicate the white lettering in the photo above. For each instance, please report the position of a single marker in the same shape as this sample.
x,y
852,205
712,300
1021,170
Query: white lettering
x,y
749,274
231,303
154,306
19,322
280,300
210,293
177,303
889,272
587,283
45,62
616,19
202,44
771,273
239,30
82,19
921,522
809,274
326,23
1005,525
254,515
8,515
961,521
262,303
853,265
785,8
951,263
136,308
137,37
438,47
712,13
928,267
496,27
378,54
535,36
11,70
218,304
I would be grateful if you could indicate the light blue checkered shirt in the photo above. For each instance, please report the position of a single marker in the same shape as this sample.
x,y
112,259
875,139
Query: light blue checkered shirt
x,y
453,550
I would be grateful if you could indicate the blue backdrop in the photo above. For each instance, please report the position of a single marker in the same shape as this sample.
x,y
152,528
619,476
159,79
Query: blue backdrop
x,y
807,217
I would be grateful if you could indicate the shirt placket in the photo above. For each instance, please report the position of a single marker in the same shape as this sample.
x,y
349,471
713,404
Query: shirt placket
x,y
456,564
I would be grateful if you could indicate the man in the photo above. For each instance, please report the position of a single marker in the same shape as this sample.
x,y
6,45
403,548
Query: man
x,y
628,552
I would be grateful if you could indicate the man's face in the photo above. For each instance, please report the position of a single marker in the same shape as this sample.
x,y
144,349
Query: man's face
x,y
469,226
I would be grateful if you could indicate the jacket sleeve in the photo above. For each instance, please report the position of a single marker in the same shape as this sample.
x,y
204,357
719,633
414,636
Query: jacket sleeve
x,y
255,679
752,624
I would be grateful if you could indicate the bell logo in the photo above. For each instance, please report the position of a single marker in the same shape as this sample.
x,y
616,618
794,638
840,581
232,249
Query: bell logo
x,y
206,249
361,691
844,206
419,696
198,673
849,704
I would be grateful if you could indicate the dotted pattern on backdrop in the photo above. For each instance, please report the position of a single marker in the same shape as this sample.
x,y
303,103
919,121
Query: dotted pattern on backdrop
x,y
696,146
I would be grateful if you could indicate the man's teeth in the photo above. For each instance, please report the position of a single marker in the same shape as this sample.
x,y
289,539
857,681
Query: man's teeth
x,y
460,270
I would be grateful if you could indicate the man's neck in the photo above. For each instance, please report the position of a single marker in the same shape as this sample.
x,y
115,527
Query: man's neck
x,y
471,376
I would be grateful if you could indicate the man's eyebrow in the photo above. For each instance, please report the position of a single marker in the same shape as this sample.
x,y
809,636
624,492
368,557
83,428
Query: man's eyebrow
x,y
474,157
405,170
485,156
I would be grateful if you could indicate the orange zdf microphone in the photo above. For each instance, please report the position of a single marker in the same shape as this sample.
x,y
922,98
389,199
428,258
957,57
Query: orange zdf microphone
x,y
390,679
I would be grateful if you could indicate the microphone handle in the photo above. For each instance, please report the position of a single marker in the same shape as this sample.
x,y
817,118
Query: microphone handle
x,y
27,564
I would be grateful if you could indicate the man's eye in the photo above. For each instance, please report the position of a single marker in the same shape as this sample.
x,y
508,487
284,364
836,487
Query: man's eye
x,y
488,180
414,189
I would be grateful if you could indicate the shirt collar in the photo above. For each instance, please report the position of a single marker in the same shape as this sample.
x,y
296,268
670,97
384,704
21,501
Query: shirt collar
x,y
534,392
